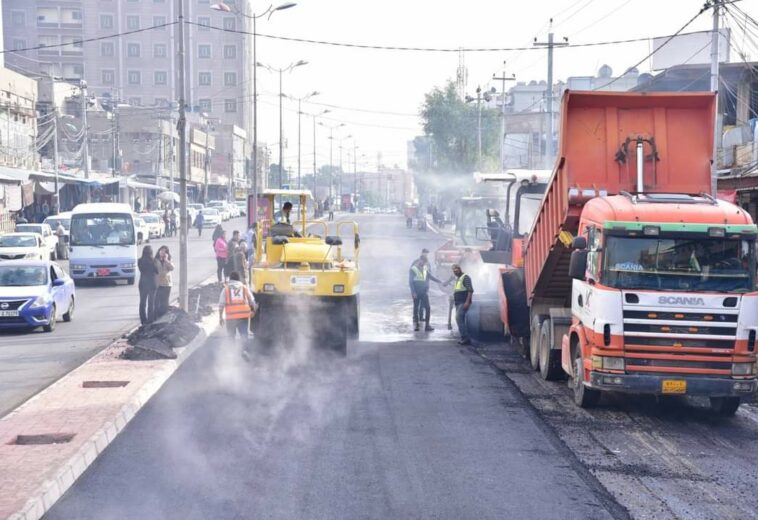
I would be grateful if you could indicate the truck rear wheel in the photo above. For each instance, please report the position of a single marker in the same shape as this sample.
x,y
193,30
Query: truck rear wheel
x,y
550,359
725,406
584,397
534,340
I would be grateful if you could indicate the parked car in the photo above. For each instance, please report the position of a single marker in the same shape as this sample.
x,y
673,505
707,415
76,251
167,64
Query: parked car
x,y
242,207
220,206
60,218
35,293
26,246
142,229
211,217
48,237
155,223
234,211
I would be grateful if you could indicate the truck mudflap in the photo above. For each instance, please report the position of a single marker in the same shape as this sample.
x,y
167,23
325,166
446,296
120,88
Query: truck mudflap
x,y
672,384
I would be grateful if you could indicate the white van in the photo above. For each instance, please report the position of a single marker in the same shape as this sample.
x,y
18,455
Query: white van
x,y
103,243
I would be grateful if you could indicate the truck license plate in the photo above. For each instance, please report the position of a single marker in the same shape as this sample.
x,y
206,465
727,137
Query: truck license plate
x,y
103,272
8,314
674,386
303,281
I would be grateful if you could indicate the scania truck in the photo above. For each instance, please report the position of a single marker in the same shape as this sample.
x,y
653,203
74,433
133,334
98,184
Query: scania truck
x,y
637,279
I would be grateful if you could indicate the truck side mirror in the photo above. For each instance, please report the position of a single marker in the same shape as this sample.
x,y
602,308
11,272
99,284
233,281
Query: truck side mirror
x,y
579,243
578,263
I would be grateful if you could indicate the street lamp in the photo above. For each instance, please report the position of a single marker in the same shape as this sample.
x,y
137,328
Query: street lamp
x,y
223,7
281,72
299,114
341,140
315,173
331,128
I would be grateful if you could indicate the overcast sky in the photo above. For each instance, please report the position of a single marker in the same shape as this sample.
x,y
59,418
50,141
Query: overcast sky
x,y
395,81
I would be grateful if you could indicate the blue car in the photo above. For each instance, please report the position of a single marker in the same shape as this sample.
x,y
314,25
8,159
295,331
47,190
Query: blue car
x,y
35,293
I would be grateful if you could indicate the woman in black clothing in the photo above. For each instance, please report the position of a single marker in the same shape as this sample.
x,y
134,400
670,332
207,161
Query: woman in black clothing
x,y
147,285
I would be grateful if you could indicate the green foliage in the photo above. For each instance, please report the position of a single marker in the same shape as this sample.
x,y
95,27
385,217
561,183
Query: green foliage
x,y
450,125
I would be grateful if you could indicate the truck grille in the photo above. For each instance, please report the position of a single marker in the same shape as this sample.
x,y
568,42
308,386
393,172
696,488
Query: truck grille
x,y
668,342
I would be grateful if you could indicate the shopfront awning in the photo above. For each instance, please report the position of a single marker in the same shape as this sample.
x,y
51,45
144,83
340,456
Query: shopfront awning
x,y
143,185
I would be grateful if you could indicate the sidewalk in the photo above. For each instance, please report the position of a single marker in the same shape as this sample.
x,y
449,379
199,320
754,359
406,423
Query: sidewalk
x,y
51,439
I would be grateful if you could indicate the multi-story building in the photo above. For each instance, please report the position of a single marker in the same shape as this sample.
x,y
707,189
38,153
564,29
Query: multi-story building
x,y
139,69
18,120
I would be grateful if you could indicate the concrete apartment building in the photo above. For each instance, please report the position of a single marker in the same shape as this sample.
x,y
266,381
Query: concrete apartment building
x,y
139,69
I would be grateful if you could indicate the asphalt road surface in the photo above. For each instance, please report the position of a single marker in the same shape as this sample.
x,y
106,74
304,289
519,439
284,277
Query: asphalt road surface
x,y
31,360
410,425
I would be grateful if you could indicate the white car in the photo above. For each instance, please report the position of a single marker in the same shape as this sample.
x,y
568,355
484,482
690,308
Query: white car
x,y
233,209
23,246
220,206
155,224
48,237
142,228
211,217
241,207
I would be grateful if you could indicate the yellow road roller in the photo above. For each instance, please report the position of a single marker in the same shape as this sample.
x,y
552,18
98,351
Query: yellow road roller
x,y
306,285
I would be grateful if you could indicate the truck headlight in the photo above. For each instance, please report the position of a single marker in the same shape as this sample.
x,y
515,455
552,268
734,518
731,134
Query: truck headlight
x,y
743,369
608,363
131,265
40,301
268,287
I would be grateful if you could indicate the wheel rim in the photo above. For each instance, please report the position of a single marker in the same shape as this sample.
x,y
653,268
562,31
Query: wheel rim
x,y
579,373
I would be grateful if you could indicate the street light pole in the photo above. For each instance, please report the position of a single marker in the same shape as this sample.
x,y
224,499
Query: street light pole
x,y
503,79
299,124
331,153
182,127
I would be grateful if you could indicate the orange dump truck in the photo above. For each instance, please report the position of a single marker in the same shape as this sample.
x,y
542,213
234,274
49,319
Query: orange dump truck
x,y
636,279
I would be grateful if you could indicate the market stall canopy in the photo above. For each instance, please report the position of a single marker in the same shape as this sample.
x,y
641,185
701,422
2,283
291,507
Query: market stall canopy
x,y
168,196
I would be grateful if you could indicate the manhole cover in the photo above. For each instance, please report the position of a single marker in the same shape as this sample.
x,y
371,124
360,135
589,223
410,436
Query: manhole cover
x,y
104,384
43,438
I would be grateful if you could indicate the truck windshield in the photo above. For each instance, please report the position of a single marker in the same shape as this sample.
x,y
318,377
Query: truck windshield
x,y
681,264
528,209
102,230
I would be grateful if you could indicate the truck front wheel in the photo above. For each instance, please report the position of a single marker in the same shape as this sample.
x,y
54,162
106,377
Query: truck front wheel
x,y
534,340
725,406
584,397
550,358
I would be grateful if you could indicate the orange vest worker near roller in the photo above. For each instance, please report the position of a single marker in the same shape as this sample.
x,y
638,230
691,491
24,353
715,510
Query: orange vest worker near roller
x,y
237,304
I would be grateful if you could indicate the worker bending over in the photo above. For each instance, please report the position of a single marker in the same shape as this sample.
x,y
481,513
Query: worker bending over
x,y
418,279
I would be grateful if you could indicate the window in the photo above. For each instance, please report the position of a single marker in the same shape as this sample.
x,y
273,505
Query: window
x,y
160,77
133,50
205,105
230,24
204,78
159,50
107,49
135,101
203,51
108,77
230,52
204,23
230,105
132,22
230,79
159,20
106,21
18,44
18,19
134,77
76,15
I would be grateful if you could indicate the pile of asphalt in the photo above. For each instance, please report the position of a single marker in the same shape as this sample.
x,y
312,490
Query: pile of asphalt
x,y
157,340
203,300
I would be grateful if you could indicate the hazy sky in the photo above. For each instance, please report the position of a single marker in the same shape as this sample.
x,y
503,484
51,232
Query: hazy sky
x,y
395,81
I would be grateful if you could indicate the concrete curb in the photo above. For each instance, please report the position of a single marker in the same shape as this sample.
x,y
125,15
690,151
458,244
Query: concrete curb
x,y
52,490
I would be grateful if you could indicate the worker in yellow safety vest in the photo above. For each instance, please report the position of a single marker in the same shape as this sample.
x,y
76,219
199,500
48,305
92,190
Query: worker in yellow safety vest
x,y
418,279
463,293
237,304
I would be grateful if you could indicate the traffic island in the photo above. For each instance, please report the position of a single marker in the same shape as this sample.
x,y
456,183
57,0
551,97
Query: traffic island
x,y
51,439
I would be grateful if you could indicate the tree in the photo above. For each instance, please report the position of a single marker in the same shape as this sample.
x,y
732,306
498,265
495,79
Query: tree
x,y
450,125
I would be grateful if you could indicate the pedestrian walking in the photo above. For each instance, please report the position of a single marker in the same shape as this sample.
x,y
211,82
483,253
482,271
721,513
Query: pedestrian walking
x,y
60,233
463,293
237,305
166,223
148,283
172,220
164,282
418,279
222,255
199,222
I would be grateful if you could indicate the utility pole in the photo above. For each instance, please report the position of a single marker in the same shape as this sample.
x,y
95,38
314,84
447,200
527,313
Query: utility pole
x,y
479,128
315,182
550,44
171,153
85,128
206,162
503,79
716,6
116,140
57,200
331,162
182,127
299,117
281,131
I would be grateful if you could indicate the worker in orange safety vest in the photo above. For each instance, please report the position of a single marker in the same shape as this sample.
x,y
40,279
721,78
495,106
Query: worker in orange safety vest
x,y
237,304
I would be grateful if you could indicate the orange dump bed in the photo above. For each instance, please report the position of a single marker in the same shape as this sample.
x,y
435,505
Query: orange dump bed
x,y
597,156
